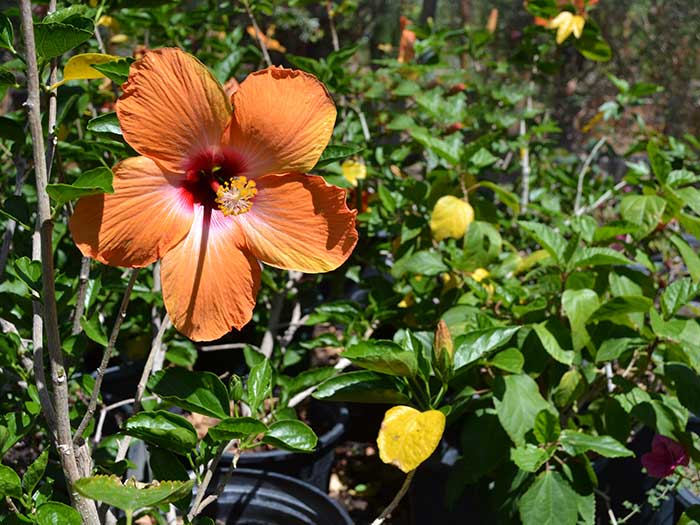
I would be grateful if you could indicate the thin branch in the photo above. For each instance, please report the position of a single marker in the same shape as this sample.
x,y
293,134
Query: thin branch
x,y
140,389
603,198
341,365
228,346
105,410
196,507
20,166
397,499
331,23
582,174
121,315
525,163
258,34
83,280
211,498
85,507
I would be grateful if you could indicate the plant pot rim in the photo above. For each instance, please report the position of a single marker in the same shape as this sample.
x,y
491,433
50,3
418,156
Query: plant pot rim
x,y
325,441
276,478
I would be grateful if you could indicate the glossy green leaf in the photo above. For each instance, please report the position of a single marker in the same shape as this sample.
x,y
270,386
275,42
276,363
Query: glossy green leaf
x,y
618,306
422,263
163,429
529,457
55,513
54,38
107,123
691,259
10,484
117,71
337,153
547,427
200,392
259,384
550,500
383,356
362,387
92,182
644,210
579,305
132,495
613,348
518,401
471,347
7,35
511,360
35,472
686,383
7,78
678,294
244,428
291,434
551,345
576,442
94,330
549,239
596,256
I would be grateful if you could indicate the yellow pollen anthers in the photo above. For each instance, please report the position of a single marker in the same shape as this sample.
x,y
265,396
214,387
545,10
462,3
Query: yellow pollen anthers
x,y
235,196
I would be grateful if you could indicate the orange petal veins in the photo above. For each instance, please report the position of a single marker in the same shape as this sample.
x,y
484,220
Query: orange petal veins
x,y
138,223
172,107
299,222
209,282
282,121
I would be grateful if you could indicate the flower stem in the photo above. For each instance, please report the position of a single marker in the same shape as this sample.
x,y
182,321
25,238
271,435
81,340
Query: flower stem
x,y
397,499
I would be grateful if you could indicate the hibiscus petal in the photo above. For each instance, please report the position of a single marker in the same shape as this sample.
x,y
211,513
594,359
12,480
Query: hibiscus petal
x,y
172,108
137,224
299,222
282,121
210,280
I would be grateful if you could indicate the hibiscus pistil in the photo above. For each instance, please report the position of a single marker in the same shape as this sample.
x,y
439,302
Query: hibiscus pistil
x,y
235,196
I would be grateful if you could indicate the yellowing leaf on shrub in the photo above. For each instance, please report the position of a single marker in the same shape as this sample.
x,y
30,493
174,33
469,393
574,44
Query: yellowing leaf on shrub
x,y
353,171
108,21
566,23
408,437
79,67
450,218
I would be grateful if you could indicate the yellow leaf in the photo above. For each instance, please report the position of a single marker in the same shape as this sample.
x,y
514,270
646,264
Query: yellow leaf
x,y
353,171
79,67
108,21
578,23
450,218
408,437
480,274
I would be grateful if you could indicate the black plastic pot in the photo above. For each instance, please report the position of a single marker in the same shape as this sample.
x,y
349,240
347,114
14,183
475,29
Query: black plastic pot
x,y
312,468
254,497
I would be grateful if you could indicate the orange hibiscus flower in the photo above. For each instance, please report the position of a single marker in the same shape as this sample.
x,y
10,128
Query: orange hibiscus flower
x,y
217,189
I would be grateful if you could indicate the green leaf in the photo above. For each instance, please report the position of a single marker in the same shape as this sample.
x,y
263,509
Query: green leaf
x,y
547,427
29,271
422,263
259,384
336,153
530,458
518,401
54,513
244,428
363,387
383,356
659,165
10,485
93,329
7,36
613,348
200,392
643,210
35,472
618,306
686,383
575,443
508,198
579,305
691,259
7,78
482,158
484,445
511,360
448,151
117,71
569,388
550,500
165,466
132,495
291,434
107,123
551,345
596,256
553,242
163,429
473,346
15,206
678,294
592,45
54,38
92,182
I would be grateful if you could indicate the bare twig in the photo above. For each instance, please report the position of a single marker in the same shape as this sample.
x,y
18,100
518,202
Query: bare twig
x,y
85,507
525,162
105,410
582,174
196,507
83,280
121,315
229,346
397,499
140,389
603,198
222,482
341,365
331,24
258,34
20,166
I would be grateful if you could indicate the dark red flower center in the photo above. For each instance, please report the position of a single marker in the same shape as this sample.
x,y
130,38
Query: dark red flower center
x,y
208,171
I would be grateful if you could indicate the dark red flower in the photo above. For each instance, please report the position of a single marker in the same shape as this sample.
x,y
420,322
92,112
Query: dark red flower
x,y
664,457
